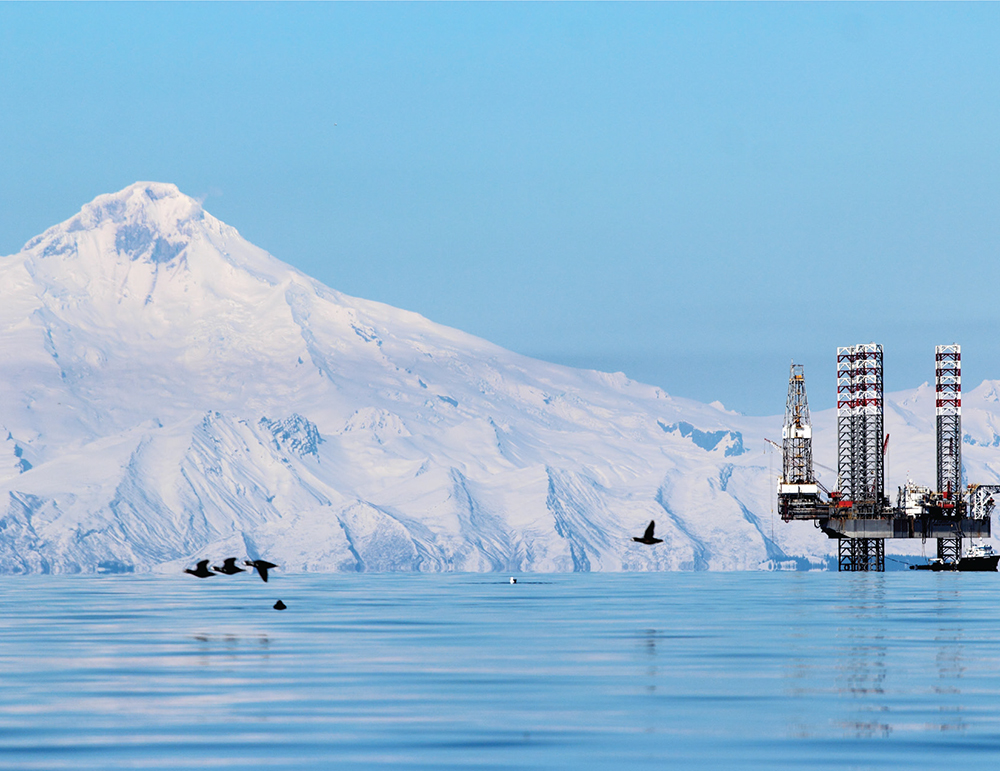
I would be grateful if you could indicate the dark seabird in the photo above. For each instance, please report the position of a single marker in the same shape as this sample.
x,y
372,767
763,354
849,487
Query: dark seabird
x,y
228,567
279,605
201,571
647,537
262,567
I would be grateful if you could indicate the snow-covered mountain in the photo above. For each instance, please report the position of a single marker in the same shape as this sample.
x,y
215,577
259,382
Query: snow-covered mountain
x,y
171,392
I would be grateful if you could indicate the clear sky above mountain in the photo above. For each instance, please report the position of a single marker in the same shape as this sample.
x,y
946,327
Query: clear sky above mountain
x,y
693,194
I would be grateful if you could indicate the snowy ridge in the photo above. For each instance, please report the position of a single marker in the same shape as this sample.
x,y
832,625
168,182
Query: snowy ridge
x,y
172,393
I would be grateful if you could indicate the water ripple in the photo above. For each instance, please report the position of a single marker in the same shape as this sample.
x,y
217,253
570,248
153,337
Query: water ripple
x,y
463,671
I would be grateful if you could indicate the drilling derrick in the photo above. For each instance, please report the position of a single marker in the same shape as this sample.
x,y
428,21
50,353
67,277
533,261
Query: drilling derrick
x,y
797,460
798,490
948,413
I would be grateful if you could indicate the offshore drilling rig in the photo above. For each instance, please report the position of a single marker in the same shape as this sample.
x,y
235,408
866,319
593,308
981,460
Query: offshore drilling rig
x,y
858,514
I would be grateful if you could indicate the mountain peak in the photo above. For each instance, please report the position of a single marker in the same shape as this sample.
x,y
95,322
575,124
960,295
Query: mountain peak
x,y
151,220
146,245
152,200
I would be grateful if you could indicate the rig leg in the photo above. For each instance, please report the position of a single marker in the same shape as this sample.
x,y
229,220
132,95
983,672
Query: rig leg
x,y
861,555
879,555
949,549
846,553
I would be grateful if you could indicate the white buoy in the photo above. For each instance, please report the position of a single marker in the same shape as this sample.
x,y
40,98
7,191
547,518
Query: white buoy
x,y
513,580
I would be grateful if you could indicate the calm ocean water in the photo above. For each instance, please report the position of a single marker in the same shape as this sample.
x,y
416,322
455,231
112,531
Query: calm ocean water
x,y
689,670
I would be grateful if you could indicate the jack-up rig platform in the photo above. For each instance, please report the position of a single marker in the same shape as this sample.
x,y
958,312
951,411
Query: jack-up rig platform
x,y
858,514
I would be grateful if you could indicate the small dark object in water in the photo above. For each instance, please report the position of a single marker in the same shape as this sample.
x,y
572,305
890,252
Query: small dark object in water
x,y
971,564
936,565
647,537
279,605
201,571
228,567
513,580
262,567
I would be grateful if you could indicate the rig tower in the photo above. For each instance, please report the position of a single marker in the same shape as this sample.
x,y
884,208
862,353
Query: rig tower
x,y
860,448
799,491
948,413
796,436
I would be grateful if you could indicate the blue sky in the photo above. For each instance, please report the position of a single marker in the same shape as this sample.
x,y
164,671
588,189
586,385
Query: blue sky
x,y
692,194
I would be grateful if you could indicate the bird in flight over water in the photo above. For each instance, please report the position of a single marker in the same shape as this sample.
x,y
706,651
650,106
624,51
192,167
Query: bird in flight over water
x,y
228,567
201,571
647,537
262,567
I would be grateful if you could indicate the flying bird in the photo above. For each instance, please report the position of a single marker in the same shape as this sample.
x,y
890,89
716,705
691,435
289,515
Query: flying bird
x,y
201,571
647,537
228,567
262,567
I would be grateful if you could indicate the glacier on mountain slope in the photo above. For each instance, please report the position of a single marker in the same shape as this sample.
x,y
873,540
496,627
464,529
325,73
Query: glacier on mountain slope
x,y
172,393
